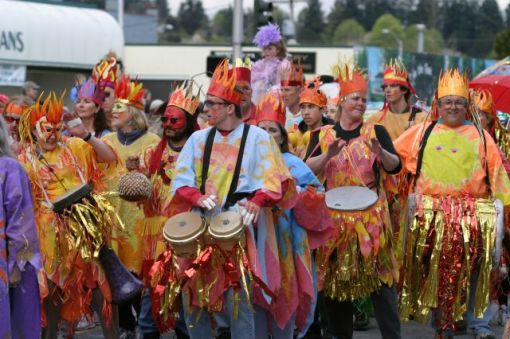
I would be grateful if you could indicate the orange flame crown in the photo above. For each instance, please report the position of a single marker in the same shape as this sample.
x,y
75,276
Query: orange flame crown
x,y
482,98
271,108
52,108
183,98
106,72
453,82
131,93
223,84
350,78
396,73
311,94
291,75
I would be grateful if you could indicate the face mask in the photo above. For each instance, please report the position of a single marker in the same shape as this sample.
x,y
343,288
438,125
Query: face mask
x,y
119,106
174,118
46,129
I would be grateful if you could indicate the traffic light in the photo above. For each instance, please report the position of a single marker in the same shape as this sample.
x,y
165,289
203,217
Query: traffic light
x,y
263,12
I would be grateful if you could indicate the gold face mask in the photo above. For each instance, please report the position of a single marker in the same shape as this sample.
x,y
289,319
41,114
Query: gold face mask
x,y
46,129
120,106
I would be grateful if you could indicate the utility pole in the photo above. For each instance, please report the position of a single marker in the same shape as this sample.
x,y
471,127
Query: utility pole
x,y
120,15
237,30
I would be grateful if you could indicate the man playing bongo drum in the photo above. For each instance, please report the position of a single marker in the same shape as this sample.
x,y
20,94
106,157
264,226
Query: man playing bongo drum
x,y
236,167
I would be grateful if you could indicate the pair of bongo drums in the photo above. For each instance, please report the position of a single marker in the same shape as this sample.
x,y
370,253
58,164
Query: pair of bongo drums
x,y
188,231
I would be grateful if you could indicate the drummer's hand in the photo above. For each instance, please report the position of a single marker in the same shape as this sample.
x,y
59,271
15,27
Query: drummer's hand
x,y
208,202
133,163
335,147
375,147
15,276
250,212
74,125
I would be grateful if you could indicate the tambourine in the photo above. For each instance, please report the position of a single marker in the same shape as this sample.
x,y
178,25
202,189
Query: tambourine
x,y
350,198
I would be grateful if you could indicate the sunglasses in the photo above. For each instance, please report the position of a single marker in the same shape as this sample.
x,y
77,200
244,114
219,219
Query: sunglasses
x,y
10,120
172,120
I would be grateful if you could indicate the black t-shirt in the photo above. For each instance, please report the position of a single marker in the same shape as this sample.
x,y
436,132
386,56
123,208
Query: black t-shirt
x,y
381,134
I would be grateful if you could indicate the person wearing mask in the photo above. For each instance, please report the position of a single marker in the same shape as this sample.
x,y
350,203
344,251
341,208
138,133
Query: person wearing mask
x,y
72,279
158,164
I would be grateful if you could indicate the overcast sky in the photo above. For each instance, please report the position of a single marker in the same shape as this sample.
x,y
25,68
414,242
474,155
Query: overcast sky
x,y
212,6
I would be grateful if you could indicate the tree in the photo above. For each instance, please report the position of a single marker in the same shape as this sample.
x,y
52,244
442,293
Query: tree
x,y
434,42
507,15
311,23
461,33
386,40
192,16
373,10
427,12
163,11
490,22
502,44
349,32
221,25
334,18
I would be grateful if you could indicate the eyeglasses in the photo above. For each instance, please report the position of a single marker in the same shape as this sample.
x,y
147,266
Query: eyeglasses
x,y
172,120
10,120
456,103
210,103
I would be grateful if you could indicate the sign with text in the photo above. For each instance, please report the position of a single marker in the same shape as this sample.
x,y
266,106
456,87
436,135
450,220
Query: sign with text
x,y
12,75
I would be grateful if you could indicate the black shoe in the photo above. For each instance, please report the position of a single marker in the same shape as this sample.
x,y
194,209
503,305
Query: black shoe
x,y
152,335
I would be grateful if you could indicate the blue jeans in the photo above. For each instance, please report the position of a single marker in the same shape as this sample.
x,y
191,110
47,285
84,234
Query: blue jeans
x,y
198,321
262,318
146,322
478,325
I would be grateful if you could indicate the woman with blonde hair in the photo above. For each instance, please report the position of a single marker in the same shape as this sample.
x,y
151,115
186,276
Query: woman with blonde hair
x,y
130,139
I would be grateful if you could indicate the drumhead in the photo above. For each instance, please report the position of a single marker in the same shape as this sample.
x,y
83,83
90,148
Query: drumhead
x,y
226,225
350,198
183,227
71,197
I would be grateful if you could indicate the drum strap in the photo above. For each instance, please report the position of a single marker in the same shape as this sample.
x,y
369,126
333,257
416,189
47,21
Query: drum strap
x,y
232,197
207,158
423,143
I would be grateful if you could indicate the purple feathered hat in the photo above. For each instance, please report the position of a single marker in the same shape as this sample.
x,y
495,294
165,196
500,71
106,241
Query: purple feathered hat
x,y
267,35
89,90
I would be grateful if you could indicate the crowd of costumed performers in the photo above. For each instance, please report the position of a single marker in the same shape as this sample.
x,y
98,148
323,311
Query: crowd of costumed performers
x,y
265,206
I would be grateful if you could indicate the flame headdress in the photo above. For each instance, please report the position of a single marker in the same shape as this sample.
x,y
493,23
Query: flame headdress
x,y
106,72
396,74
312,94
184,98
271,108
89,89
223,84
451,82
49,111
351,79
129,93
481,100
291,75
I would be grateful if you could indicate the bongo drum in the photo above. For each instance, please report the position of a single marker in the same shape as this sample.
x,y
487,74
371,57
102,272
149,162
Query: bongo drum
x,y
226,230
184,232
71,197
350,198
